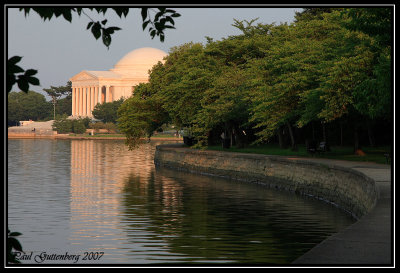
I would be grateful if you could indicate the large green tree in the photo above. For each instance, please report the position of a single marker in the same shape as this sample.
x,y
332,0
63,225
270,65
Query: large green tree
x,y
267,80
57,92
25,106
373,96
108,111
139,116
310,73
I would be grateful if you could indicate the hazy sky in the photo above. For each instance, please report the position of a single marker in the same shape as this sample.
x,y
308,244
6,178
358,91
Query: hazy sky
x,y
59,49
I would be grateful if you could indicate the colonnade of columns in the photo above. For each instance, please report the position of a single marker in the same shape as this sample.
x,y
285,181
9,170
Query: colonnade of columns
x,y
85,98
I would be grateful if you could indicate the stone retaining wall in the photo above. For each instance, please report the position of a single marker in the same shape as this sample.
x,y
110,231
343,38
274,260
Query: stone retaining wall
x,y
349,189
28,133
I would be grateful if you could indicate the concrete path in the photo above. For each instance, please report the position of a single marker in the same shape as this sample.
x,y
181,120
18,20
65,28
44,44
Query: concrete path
x,y
368,242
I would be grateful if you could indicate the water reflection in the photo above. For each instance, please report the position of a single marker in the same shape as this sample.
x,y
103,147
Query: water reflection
x,y
106,198
206,219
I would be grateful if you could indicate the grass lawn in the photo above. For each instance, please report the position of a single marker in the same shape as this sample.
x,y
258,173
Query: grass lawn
x,y
120,135
373,154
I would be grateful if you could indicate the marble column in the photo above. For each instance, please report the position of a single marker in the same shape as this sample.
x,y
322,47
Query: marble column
x,y
81,103
93,97
98,94
89,101
107,93
92,103
84,101
73,101
78,101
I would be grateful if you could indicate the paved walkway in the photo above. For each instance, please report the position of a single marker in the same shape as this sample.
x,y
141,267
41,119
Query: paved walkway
x,y
368,242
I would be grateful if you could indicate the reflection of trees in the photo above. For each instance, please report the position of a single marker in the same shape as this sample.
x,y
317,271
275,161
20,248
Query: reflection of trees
x,y
209,219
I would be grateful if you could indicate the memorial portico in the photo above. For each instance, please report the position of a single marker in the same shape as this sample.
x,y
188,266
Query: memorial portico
x,y
92,87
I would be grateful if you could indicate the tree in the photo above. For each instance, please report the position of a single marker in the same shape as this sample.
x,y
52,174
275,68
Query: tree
x,y
63,125
373,95
163,19
185,75
310,73
25,106
56,92
140,117
312,13
108,111
14,75
266,80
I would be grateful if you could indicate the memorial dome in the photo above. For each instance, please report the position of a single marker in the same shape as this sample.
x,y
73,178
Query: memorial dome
x,y
138,62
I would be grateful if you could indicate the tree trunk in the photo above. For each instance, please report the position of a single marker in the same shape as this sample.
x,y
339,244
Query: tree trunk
x,y
292,140
240,137
280,138
54,108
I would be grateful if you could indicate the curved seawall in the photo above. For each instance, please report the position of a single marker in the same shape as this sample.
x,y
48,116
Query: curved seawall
x,y
362,189
349,189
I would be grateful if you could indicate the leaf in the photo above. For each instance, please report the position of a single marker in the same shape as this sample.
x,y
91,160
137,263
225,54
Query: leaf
x,y
106,38
89,25
96,30
23,84
67,15
30,72
45,13
14,59
104,22
15,243
169,19
144,25
14,234
111,30
121,11
79,11
33,80
10,81
13,69
101,10
167,26
26,10
158,14
144,13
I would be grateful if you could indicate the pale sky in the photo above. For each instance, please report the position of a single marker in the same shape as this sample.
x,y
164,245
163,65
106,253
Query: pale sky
x,y
59,49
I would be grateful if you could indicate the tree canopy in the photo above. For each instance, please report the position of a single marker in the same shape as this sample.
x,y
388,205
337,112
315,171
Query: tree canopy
x,y
25,106
326,66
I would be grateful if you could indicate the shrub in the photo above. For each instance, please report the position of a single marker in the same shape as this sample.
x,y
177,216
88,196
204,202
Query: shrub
x,y
79,127
62,125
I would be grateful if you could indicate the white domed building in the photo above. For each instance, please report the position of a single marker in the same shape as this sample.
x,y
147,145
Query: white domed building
x,y
92,87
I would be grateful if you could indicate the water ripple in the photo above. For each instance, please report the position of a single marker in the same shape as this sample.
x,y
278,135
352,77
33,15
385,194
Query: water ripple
x,y
81,196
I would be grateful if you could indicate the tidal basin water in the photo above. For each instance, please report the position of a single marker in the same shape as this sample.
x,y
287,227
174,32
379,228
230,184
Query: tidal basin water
x,y
96,202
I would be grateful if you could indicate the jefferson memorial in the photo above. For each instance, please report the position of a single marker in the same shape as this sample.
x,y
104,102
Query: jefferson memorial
x,y
92,87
